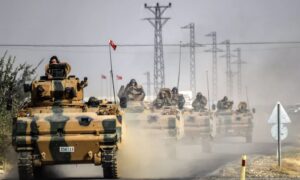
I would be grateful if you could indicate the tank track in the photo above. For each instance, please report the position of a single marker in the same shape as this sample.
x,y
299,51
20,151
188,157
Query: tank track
x,y
109,164
25,166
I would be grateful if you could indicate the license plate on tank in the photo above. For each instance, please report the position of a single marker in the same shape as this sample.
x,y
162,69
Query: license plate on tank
x,y
65,149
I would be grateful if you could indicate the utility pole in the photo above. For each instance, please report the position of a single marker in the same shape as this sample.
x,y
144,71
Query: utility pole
x,y
158,22
229,73
192,44
148,83
239,63
214,51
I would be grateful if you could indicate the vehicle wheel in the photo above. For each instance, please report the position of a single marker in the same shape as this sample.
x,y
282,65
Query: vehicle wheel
x,y
25,166
109,164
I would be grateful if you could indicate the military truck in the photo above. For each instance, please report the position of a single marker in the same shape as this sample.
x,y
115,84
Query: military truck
x,y
235,123
166,121
57,127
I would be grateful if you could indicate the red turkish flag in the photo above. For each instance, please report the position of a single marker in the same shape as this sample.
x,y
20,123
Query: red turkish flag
x,y
103,76
119,77
112,44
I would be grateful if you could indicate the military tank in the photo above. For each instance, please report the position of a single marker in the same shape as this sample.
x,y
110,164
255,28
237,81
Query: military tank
x,y
235,123
57,127
166,121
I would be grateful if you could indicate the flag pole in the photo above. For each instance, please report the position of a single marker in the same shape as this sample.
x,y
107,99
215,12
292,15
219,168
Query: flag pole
x,y
112,75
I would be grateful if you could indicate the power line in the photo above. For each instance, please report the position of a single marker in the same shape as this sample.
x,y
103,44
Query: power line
x,y
145,45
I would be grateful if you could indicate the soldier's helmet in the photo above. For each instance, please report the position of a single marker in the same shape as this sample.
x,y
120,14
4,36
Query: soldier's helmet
x,y
175,90
225,98
162,94
93,102
133,82
199,95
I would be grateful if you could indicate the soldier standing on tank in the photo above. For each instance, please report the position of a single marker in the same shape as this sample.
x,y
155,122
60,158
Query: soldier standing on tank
x,y
224,104
200,102
133,91
242,107
53,60
162,100
177,99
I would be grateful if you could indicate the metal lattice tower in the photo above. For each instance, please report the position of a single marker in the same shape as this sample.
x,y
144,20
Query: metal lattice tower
x,y
192,46
158,22
239,63
229,73
148,83
214,51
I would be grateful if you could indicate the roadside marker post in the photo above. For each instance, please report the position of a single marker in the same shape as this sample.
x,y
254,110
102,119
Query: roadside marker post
x,y
243,168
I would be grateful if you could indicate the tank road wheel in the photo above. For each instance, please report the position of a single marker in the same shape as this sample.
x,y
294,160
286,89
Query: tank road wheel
x,y
109,164
25,166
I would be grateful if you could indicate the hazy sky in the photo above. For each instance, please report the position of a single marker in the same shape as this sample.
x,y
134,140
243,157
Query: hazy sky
x,y
272,72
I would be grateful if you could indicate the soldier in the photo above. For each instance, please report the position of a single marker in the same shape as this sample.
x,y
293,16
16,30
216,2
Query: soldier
x,y
177,99
224,104
162,100
93,102
242,107
200,102
55,60
132,92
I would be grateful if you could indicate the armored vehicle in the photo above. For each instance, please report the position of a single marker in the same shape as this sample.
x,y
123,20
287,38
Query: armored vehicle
x,y
235,123
200,125
132,99
57,127
164,120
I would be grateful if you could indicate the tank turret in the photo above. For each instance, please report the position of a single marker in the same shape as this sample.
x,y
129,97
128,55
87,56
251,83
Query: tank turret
x,y
56,87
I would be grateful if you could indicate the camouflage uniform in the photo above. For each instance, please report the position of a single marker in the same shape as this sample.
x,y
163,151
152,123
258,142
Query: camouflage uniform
x,y
200,102
177,99
224,104
162,100
242,107
132,92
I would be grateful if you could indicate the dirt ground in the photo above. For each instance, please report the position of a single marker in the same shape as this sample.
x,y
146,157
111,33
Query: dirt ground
x,y
265,166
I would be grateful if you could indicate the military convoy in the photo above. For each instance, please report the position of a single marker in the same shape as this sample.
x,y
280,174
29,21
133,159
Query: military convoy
x,y
57,127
